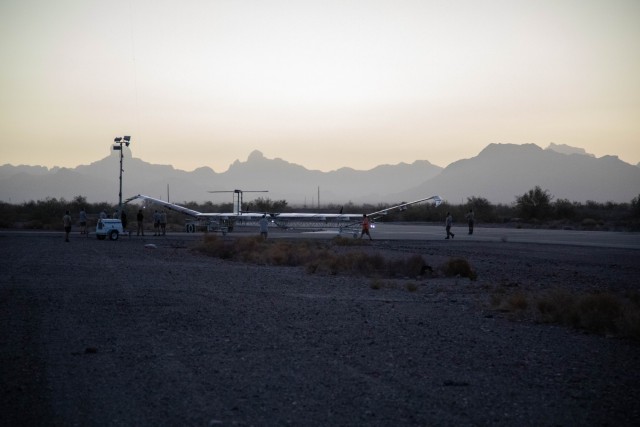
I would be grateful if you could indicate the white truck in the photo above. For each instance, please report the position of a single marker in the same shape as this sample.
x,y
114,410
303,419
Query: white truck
x,y
111,228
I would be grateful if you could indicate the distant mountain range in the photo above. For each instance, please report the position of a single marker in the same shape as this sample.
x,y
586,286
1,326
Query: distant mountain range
x,y
498,173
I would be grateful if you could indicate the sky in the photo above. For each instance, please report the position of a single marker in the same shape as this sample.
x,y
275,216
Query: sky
x,y
324,84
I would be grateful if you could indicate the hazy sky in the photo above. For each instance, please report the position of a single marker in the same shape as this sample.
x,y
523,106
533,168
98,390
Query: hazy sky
x,y
323,84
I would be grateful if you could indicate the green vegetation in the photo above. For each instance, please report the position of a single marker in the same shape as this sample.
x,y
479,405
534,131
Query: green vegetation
x,y
534,204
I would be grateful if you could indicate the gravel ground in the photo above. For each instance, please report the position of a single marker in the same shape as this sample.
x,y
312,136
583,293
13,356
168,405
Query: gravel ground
x,y
116,334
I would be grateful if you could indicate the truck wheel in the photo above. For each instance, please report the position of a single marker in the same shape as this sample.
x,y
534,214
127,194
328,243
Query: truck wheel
x,y
191,228
113,235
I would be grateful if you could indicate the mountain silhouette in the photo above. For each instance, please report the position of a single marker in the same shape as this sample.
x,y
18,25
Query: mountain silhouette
x,y
99,181
499,173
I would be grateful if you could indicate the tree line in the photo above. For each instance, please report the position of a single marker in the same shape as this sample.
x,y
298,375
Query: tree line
x,y
535,208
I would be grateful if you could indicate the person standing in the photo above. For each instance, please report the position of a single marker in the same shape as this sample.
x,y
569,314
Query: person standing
x,y
264,227
365,226
163,222
125,222
448,222
156,223
140,219
83,221
66,222
470,220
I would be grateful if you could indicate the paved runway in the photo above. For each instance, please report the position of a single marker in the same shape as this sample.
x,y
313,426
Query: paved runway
x,y
605,239
409,231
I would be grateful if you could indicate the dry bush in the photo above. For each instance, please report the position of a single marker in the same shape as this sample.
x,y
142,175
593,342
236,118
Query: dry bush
x,y
458,267
350,262
286,253
414,266
411,287
600,313
248,249
554,305
517,302
344,241
495,300
366,264
213,246
378,284
316,257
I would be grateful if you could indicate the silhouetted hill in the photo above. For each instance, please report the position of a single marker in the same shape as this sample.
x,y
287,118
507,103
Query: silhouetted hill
x,y
503,171
98,181
498,173
566,149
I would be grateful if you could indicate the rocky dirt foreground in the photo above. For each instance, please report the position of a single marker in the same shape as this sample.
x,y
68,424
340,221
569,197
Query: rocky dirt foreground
x,y
116,334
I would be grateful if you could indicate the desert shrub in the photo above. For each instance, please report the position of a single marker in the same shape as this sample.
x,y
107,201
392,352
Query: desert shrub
x,y
507,302
356,263
555,307
517,302
317,258
534,204
413,266
289,254
564,209
213,246
377,284
629,322
411,287
345,241
599,313
495,299
458,267
365,264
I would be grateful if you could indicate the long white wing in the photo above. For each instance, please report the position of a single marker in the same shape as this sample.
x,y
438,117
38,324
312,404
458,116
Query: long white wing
x,y
437,200
170,206
284,216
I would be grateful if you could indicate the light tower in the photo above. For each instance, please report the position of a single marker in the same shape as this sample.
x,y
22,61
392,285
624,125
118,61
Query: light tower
x,y
117,146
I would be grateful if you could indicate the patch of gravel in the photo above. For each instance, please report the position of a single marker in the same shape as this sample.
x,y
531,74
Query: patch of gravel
x,y
113,333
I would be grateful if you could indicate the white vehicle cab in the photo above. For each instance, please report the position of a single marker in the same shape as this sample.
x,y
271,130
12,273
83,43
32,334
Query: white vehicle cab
x,y
111,228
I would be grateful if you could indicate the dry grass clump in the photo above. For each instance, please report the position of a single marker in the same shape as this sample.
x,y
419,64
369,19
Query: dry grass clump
x,y
317,257
413,266
344,241
514,302
411,287
458,267
351,262
601,313
255,250
378,284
